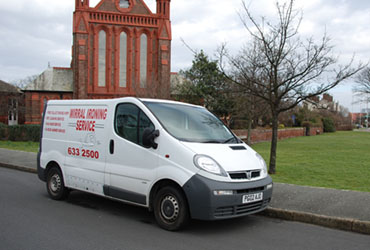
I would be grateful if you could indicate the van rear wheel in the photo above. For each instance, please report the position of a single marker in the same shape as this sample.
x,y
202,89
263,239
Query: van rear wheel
x,y
55,184
171,209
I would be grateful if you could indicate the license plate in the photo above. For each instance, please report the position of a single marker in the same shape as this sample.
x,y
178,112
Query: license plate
x,y
248,198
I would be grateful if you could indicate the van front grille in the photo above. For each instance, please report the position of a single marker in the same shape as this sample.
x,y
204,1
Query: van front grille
x,y
245,175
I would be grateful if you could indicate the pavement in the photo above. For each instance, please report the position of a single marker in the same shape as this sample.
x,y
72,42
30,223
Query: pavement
x,y
339,209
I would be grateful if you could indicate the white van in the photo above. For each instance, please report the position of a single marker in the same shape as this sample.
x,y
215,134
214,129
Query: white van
x,y
176,159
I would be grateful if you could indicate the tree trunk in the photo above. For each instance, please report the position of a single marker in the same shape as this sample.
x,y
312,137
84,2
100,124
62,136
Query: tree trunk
x,y
249,131
275,125
249,124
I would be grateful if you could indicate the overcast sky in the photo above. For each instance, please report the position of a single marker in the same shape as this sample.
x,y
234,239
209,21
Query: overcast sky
x,y
34,33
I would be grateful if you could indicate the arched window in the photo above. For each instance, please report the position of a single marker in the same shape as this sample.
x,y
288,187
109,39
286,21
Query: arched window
x,y
102,59
143,59
123,60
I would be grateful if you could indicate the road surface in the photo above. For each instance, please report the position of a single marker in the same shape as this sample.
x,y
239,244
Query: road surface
x,y
29,220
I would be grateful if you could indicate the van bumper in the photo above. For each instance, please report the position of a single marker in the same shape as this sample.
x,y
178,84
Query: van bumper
x,y
40,170
205,205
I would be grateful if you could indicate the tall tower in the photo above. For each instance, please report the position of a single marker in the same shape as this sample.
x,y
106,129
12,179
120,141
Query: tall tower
x,y
82,4
163,8
120,48
164,40
79,49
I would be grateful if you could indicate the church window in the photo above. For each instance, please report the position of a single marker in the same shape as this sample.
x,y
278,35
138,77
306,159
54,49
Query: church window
x,y
102,59
123,60
143,60
124,4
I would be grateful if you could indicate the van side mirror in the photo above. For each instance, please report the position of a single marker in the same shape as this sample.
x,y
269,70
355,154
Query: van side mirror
x,y
148,138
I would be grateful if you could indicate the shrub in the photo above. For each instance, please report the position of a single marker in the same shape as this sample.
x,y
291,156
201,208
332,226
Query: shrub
x,y
32,132
328,124
23,133
3,131
15,133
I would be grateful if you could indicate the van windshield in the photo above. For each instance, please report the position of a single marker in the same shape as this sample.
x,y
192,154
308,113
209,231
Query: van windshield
x,y
191,123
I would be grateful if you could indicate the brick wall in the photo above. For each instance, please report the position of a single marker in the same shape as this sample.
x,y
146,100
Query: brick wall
x,y
343,127
34,104
260,135
316,130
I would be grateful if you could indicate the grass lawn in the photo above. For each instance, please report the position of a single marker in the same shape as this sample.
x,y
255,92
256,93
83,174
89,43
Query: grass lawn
x,y
20,145
338,160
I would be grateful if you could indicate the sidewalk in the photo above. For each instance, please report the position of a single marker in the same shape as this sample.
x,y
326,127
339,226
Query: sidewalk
x,y
21,160
346,210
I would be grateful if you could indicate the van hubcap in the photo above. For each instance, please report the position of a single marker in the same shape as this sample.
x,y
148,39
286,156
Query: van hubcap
x,y
170,208
55,183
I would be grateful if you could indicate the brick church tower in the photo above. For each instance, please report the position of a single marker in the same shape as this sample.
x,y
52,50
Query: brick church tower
x,y
120,48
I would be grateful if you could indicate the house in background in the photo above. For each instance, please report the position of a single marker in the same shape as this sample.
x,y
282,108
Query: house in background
x,y
326,102
53,84
361,119
11,104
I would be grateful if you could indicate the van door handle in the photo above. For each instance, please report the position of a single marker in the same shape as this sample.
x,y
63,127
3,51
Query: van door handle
x,y
111,147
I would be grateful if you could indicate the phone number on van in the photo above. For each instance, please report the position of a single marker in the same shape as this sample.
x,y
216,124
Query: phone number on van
x,y
84,153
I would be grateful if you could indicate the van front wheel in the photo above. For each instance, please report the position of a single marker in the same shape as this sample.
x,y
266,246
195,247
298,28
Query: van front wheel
x,y
55,184
171,209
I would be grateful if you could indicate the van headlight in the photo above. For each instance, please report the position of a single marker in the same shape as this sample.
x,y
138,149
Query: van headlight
x,y
206,163
263,163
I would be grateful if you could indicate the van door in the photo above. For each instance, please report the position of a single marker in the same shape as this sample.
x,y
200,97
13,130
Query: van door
x,y
130,167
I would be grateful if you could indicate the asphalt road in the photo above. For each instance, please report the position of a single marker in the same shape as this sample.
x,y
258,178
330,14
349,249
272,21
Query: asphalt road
x,y
30,220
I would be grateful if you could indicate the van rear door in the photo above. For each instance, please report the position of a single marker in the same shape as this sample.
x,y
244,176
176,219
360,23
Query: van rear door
x,y
84,149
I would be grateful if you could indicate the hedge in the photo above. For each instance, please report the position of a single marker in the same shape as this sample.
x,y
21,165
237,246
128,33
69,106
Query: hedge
x,y
328,124
3,130
20,132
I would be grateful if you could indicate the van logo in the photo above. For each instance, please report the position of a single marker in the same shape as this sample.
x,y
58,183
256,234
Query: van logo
x,y
249,175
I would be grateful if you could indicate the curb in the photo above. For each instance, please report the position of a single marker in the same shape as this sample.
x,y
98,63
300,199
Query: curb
x,y
24,169
345,224
352,225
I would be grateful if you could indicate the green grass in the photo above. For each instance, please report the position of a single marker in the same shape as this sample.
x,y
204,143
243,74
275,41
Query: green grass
x,y
338,160
22,146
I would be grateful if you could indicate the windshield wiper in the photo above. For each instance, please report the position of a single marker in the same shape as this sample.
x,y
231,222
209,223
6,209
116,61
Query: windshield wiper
x,y
231,139
211,141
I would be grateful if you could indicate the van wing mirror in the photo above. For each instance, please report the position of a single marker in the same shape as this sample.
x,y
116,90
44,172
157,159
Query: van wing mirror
x,y
148,138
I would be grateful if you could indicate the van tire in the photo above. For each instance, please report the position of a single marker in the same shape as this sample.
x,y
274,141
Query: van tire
x,y
55,184
171,209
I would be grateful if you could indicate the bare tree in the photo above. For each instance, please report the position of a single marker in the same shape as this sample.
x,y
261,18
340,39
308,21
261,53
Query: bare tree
x,y
22,83
280,68
362,89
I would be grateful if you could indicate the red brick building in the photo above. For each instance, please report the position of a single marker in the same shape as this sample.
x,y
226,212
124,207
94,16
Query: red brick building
x,y
11,104
120,48
53,84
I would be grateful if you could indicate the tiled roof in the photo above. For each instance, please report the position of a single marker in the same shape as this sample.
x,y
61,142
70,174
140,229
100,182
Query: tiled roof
x,y
53,79
7,87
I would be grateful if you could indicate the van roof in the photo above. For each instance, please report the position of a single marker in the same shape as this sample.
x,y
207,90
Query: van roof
x,y
107,101
166,101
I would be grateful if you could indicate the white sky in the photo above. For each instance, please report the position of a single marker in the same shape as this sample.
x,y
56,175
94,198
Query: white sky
x,y
36,32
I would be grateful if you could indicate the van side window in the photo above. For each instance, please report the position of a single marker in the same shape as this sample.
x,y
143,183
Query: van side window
x,y
130,122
